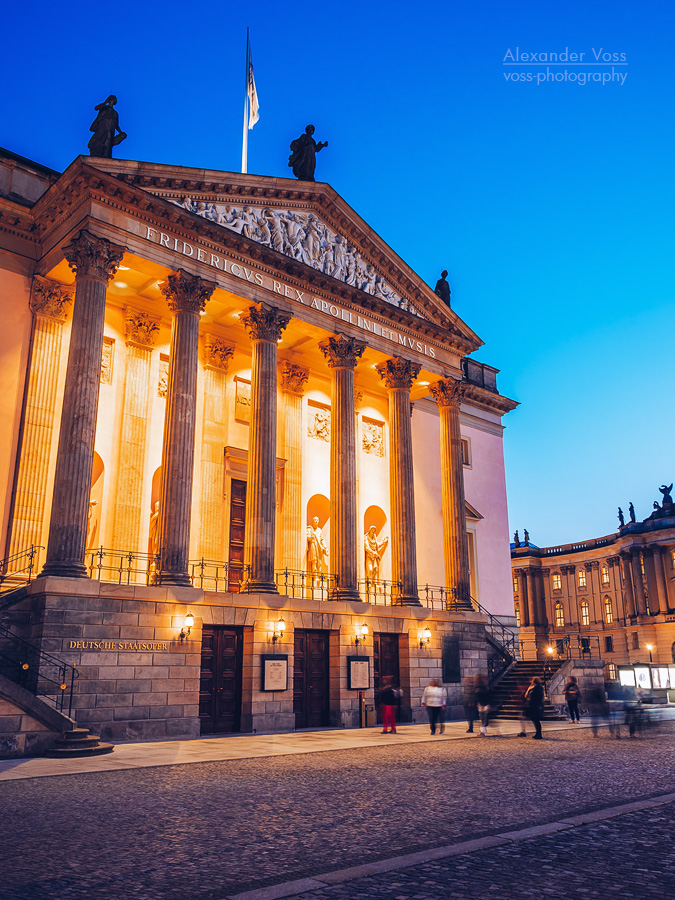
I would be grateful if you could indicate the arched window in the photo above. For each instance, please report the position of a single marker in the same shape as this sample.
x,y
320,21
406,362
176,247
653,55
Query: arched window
x,y
560,616
611,672
584,613
604,574
581,575
515,584
517,615
609,618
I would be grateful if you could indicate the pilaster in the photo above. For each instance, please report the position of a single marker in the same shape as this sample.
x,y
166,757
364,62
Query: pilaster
x,y
293,381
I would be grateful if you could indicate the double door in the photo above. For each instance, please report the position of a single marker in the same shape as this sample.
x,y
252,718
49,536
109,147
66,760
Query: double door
x,y
310,679
235,571
385,664
220,683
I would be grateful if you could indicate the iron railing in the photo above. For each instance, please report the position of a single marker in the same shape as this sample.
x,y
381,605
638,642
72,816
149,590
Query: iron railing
x,y
40,673
122,567
301,585
561,647
209,574
20,568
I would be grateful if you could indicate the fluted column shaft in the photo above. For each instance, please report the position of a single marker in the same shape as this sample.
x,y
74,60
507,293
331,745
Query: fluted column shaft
x,y
264,325
659,581
49,303
186,296
669,573
638,584
531,597
398,375
341,354
293,380
524,612
94,261
628,585
448,394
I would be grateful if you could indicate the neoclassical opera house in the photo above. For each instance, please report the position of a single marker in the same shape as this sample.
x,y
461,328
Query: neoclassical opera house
x,y
249,466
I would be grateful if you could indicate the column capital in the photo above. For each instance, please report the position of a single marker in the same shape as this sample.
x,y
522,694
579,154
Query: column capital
x,y
342,352
592,564
519,572
293,378
568,570
448,392
94,256
216,353
140,328
545,572
613,560
264,323
50,298
187,293
398,372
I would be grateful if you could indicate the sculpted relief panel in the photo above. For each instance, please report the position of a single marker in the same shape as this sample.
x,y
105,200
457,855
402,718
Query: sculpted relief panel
x,y
319,422
303,237
372,437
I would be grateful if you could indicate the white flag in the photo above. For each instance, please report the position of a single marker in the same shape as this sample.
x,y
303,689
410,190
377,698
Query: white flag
x,y
253,106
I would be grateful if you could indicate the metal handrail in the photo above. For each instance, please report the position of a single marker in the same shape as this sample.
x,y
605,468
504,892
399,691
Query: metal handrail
x,y
209,574
302,585
28,560
122,566
40,673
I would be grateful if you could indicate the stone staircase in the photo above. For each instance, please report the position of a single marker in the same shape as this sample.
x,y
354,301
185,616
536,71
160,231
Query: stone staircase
x,y
509,691
78,742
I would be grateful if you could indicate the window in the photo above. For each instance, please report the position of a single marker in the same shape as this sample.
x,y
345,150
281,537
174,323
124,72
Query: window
x,y
609,618
636,641
559,616
466,452
609,644
584,613
642,565
611,672
581,576
604,575
515,584
517,616
557,583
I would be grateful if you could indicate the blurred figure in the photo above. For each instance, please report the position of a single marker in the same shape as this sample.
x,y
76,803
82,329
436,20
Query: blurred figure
x,y
572,698
389,697
599,709
486,704
470,709
534,706
522,691
435,698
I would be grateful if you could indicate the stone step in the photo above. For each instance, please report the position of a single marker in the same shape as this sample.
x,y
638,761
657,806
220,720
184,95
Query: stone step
x,y
75,751
90,740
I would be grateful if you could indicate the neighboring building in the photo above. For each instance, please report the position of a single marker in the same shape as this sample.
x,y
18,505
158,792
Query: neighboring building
x,y
268,416
613,596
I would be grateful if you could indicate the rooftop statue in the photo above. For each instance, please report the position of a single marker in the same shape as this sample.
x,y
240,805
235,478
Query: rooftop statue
x,y
303,155
442,288
104,127
667,499
631,512
516,539
621,521
526,537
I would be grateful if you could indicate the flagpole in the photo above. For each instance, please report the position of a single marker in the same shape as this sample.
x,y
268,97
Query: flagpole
x,y
244,140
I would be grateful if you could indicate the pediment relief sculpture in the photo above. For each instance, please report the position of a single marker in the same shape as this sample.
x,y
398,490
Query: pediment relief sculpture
x,y
304,237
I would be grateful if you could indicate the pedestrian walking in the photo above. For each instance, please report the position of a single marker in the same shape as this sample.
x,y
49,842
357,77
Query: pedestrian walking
x,y
435,698
389,697
522,714
572,698
599,708
486,705
470,708
534,706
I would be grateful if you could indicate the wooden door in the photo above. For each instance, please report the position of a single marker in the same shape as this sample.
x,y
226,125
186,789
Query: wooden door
x,y
310,679
235,572
385,664
220,684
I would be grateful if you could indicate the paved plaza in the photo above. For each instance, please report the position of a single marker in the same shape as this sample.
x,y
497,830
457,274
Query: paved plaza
x,y
287,825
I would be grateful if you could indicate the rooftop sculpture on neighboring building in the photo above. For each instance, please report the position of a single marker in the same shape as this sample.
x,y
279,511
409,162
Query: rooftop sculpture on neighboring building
x,y
303,155
442,288
104,127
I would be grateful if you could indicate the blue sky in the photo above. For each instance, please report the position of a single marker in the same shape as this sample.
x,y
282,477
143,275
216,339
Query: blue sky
x,y
551,205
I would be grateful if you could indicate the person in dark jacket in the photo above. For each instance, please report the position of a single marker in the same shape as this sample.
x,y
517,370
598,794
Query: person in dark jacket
x,y
572,697
534,706
486,705
389,697
470,710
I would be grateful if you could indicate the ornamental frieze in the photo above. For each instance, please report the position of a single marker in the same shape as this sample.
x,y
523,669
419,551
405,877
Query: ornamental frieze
x,y
303,237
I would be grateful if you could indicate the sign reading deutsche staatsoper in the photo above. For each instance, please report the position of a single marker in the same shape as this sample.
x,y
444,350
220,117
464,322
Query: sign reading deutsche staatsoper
x,y
118,645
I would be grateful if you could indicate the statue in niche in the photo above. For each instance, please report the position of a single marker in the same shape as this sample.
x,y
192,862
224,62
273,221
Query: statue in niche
x,y
303,155
621,520
153,542
442,288
91,524
104,127
631,512
374,552
316,550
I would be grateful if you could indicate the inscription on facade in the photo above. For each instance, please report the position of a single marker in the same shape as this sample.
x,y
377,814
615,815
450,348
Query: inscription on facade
x,y
118,645
223,264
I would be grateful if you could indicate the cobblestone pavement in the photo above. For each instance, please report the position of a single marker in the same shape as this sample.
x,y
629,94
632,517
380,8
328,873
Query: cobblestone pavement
x,y
207,830
630,856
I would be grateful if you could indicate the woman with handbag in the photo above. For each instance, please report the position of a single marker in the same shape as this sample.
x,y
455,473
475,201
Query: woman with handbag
x,y
534,706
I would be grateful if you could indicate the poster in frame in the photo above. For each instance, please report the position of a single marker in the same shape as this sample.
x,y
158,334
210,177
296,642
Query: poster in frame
x,y
274,672
358,673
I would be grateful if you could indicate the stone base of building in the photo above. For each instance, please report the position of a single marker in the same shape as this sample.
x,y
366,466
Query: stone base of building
x,y
139,681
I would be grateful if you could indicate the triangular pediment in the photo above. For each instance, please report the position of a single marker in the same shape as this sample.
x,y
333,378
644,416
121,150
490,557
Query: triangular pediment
x,y
305,221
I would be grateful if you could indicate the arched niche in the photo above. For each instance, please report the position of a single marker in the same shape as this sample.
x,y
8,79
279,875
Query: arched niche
x,y
318,507
374,516
95,501
154,509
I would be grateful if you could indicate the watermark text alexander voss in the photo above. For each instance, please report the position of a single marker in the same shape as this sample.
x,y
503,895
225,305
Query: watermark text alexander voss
x,y
598,65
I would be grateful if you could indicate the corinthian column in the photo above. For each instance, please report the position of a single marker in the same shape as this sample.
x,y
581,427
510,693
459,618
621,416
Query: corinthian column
x,y
638,583
141,333
398,375
293,381
264,325
94,261
341,354
186,296
629,596
448,394
49,304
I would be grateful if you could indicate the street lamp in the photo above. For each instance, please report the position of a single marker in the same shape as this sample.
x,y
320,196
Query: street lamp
x,y
650,647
